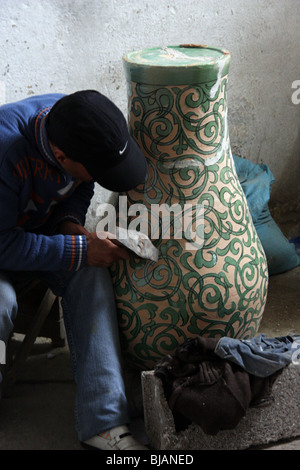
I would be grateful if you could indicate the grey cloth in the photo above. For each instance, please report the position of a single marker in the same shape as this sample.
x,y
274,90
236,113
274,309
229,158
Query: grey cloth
x,y
137,242
260,356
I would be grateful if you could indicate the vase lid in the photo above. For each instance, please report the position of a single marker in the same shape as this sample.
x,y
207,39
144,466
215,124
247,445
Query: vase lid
x,y
176,65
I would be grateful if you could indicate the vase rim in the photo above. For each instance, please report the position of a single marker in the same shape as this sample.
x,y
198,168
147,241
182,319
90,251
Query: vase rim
x,y
176,65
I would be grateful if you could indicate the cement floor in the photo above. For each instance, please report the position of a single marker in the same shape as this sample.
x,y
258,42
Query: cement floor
x,y
40,413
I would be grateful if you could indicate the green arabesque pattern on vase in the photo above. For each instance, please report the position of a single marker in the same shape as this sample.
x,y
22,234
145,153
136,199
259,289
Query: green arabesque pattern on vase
x,y
214,288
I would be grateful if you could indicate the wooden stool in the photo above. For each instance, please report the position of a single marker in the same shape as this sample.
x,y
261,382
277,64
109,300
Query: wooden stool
x,y
39,315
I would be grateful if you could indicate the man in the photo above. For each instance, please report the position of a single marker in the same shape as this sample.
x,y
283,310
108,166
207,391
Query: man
x,y
52,149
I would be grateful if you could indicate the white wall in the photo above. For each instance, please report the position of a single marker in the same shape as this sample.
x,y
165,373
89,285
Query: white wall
x,y
66,45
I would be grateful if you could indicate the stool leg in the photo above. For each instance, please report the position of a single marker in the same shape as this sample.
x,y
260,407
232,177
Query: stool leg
x,y
57,332
28,342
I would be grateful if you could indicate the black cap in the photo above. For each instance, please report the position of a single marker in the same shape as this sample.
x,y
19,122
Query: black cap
x,y
89,128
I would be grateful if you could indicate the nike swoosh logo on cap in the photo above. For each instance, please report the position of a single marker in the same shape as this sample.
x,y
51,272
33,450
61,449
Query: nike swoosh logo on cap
x,y
122,151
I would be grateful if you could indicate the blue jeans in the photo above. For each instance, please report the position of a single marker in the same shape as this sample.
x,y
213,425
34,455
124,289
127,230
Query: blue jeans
x,y
260,356
92,330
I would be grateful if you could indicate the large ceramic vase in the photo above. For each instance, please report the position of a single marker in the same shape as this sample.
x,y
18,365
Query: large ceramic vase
x,y
212,280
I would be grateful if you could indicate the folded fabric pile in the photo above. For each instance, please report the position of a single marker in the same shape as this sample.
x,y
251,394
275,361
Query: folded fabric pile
x,y
212,382
256,182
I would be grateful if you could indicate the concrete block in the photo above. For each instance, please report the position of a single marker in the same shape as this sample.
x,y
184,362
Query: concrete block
x,y
260,426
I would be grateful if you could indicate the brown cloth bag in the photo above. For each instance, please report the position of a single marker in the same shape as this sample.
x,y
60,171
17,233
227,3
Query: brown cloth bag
x,y
202,388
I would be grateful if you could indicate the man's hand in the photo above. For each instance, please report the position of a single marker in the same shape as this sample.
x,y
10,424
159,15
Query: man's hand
x,y
104,252
102,249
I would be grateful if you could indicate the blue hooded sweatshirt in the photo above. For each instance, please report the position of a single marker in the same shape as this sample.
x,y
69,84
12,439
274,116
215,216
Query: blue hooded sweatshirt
x,y
36,194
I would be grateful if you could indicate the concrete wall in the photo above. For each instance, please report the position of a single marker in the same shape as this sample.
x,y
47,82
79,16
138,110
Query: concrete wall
x,y
66,45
